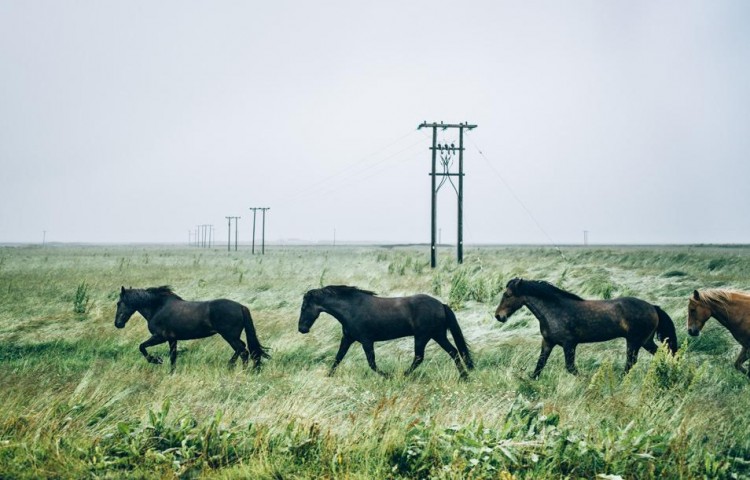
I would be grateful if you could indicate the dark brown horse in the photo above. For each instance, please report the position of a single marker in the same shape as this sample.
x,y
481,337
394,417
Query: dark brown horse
x,y
367,318
566,319
170,318
731,308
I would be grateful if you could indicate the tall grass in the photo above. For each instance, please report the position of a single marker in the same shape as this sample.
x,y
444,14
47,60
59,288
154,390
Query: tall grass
x,y
80,401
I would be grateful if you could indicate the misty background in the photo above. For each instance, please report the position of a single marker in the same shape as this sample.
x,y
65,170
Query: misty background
x,y
136,121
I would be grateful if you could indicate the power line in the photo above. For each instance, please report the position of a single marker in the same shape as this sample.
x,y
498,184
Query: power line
x,y
517,198
353,170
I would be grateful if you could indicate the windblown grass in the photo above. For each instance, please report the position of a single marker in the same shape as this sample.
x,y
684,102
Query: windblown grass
x,y
79,400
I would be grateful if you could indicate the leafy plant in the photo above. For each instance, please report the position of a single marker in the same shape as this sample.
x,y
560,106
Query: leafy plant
x,y
81,299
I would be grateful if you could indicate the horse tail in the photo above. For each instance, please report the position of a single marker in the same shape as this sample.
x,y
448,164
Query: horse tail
x,y
257,351
665,330
458,337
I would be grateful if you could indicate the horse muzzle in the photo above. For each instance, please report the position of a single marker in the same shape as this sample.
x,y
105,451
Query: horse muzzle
x,y
694,332
304,329
501,318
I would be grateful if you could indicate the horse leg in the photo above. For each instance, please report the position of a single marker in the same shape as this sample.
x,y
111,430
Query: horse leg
x,y
154,340
543,356
570,358
346,342
239,350
443,341
369,349
743,356
419,344
172,355
632,355
650,346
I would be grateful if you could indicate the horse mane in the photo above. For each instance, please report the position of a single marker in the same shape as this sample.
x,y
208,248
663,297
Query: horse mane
x,y
542,289
163,291
720,297
341,291
151,295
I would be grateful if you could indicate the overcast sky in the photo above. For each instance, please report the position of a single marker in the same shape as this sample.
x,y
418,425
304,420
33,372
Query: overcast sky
x,y
136,121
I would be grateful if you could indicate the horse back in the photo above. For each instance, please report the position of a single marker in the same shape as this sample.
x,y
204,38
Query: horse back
x,y
187,320
396,317
601,320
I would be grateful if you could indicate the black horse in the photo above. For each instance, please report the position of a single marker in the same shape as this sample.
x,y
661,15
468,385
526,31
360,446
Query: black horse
x,y
367,318
170,318
566,319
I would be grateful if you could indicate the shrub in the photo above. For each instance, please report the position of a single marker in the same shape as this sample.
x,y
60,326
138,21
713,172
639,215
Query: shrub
x,y
668,371
81,300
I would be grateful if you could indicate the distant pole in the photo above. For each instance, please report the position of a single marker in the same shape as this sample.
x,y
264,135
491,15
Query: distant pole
x,y
334,236
263,235
44,237
236,234
254,212
263,230
585,237
229,233
446,151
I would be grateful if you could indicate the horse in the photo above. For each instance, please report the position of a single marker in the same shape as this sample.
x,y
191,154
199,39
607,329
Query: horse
x,y
170,318
367,318
731,308
566,319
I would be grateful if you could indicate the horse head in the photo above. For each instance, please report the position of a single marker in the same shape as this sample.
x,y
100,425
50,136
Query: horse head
x,y
124,309
510,302
698,314
309,312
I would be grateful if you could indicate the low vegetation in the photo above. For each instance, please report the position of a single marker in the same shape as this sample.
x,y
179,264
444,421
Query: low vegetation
x,y
79,400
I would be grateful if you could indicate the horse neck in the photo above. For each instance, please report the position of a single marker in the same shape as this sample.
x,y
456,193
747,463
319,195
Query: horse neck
x,y
149,308
540,307
338,308
731,313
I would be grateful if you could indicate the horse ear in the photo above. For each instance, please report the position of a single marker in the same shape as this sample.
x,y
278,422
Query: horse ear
x,y
696,295
122,290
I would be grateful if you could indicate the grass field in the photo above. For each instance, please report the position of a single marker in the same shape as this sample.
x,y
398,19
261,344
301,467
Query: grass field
x,y
80,401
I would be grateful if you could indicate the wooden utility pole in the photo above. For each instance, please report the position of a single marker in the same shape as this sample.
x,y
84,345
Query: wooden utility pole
x,y
229,233
263,234
446,151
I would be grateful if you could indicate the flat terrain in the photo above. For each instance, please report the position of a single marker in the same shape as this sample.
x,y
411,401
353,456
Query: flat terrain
x,y
80,401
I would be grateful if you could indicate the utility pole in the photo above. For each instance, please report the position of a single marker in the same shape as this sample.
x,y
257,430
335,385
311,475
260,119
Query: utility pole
x,y
205,233
263,234
446,154
585,237
44,238
229,233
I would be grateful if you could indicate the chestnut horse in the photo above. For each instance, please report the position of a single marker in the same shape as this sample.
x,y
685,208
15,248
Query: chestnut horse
x,y
566,319
731,308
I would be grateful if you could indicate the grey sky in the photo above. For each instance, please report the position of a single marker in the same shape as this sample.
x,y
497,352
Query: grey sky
x,y
136,121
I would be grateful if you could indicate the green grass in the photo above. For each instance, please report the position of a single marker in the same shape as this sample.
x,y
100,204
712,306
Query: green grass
x,y
80,401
